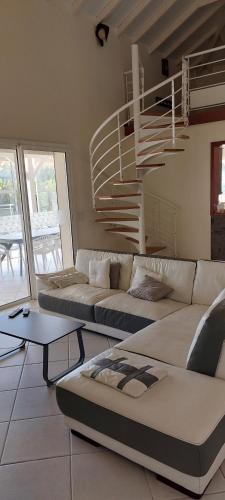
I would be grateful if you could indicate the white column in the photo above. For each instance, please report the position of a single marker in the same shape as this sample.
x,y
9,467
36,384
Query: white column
x,y
136,113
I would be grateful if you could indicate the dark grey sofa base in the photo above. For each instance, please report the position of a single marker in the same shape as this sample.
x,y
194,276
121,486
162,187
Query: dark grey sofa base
x,y
114,319
120,320
187,458
67,307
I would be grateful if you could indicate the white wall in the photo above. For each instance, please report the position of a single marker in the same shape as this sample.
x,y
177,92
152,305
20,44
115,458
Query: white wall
x,y
57,85
185,180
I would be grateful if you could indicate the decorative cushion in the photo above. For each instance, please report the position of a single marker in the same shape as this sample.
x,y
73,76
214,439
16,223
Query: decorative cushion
x,y
83,258
99,273
207,350
140,274
45,276
64,280
150,289
121,373
114,275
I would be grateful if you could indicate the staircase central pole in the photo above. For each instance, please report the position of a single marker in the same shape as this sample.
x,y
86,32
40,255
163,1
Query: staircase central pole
x,y
136,114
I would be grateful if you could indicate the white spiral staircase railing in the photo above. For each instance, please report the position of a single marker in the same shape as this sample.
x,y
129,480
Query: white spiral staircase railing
x,y
119,162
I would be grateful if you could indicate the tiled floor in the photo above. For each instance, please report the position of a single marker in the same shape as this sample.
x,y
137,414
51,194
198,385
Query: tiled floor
x,y
41,460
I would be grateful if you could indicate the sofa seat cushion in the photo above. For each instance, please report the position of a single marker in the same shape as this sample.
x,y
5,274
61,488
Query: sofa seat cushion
x,y
179,422
167,340
130,314
77,300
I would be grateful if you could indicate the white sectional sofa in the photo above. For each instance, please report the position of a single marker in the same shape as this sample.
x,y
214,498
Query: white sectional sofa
x,y
176,428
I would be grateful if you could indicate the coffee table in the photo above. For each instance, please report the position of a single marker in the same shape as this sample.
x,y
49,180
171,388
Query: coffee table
x,y
42,329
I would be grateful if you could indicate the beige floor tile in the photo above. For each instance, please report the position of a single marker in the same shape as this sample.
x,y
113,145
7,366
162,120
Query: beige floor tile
x,y
161,491
39,480
32,374
101,476
79,446
217,484
35,439
6,404
93,345
9,377
35,402
7,342
57,352
3,431
14,359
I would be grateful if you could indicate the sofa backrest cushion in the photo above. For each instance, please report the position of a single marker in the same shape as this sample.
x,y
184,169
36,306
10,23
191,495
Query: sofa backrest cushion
x,y
207,352
83,258
177,274
209,281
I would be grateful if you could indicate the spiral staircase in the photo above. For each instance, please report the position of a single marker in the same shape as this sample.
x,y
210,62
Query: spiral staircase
x,y
120,161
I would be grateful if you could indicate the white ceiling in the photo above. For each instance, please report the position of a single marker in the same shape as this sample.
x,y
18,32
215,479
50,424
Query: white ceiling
x,y
169,27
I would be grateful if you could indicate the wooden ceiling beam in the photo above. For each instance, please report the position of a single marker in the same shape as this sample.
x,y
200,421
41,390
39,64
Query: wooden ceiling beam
x,y
195,25
162,8
106,10
177,21
131,15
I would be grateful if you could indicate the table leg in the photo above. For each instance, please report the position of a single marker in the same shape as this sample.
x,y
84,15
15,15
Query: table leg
x,y
80,361
20,346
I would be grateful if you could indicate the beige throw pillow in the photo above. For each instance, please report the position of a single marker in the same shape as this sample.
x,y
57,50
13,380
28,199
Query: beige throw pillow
x,y
64,280
99,273
44,277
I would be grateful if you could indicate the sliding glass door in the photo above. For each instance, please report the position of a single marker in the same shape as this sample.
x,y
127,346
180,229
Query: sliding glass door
x,y
35,226
14,282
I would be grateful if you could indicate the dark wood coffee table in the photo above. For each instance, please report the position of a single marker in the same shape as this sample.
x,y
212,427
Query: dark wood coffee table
x,y
42,329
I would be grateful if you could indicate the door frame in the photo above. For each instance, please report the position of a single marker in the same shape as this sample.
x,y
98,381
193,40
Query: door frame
x,y
19,146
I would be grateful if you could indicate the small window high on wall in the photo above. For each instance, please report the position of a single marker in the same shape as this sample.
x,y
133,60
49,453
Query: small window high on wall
x,y
218,178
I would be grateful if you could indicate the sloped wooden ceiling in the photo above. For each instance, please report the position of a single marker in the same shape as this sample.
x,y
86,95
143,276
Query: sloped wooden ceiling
x,y
170,28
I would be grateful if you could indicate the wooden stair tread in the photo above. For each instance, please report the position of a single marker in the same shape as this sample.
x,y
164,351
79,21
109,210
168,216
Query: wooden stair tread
x,y
132,181
173,149
134,240
146,151
122,229
115,219
153,165
166,125
153,249
114,196
111,208
152,139
156,153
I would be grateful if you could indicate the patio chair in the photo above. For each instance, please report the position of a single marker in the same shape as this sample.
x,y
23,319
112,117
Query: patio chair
x,y
43,246
5,254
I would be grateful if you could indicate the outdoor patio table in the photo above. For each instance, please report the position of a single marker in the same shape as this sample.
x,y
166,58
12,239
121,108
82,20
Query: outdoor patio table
x,y
8,240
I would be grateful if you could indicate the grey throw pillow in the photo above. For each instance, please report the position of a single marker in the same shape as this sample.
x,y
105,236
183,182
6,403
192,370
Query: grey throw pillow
x,y
207,351
150,289
114,275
